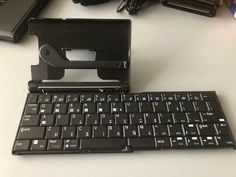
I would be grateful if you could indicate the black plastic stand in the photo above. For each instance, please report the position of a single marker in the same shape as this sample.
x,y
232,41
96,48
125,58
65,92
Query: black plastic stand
x,y
109,38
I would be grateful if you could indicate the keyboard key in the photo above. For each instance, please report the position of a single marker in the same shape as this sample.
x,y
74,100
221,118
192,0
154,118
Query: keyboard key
x,y
86,98
113,98
100,98
60,108
178,142
187,106
21,145
68,132
121,119
208,96
173,106
194,142
206,129
155,97
46,108
92,119
77,119
130,131
47,120
99,132
72,98
55,145
58,99
195,97
102,144
103,107
131,107
38,145
161,130
194,117
222,129
62,119
165,118
208,141
114,131
32,98
175,130
107,119
142,143
200,106
44,99
117,107
225,141
146,107
31,133
151,118
181,97
30,120
145,131
89,108
83,132
190,130
136,118
128,97
75,108
141,97
31,109
71,144
179,118
53,133
213,105
163,143
210,117
168,97
159,106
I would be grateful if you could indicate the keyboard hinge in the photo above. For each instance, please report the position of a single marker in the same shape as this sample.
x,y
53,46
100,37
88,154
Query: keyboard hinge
x,y
33,87
82,87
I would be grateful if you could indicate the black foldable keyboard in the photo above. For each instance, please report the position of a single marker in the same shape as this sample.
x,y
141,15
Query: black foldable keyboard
x,y
105,117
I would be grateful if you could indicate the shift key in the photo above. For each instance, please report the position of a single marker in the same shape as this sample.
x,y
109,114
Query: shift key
x,y
31,133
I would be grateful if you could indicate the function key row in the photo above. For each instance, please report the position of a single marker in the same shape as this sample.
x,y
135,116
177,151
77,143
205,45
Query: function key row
x,y
129,97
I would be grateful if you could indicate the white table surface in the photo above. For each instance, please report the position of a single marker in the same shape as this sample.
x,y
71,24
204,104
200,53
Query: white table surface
x,y
171,50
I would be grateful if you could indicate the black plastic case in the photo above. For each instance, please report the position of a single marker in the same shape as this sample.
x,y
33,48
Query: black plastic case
x,y
14,15
202,7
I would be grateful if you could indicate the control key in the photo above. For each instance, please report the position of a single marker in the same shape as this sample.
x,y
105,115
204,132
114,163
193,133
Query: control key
x,y
21,145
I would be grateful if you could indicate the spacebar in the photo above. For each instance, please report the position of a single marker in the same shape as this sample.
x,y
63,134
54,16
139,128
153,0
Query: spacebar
x,y
102,144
